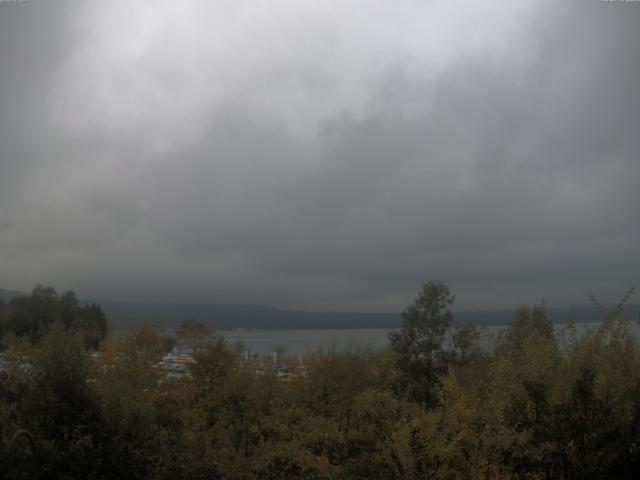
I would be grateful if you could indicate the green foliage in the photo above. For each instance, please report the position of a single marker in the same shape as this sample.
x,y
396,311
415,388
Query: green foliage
x,y
32,316
526,323
56,403
418,344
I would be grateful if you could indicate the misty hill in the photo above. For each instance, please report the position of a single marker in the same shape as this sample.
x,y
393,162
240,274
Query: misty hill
x,y
226,317
9,294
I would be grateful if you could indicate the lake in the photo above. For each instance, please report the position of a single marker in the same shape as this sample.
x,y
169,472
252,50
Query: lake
x,y
294,342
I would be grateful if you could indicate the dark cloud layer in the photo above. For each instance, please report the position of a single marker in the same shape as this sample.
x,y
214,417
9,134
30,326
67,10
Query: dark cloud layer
x,y
303,154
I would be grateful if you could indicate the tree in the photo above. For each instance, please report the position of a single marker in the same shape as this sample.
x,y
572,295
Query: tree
x,y
418,343
33,315
526,323
465,341
59,405
192,333
214,363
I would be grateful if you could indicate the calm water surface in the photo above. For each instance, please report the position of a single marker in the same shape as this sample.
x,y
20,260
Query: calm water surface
x,y
294,342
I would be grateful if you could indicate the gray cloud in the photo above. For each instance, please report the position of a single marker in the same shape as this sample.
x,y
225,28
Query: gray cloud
x,y
320,154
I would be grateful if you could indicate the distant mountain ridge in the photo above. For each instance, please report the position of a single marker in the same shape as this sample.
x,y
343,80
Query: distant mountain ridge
x,y
9,294
229,317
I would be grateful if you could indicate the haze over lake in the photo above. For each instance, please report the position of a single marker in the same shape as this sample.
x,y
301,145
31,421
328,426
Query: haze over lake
x,y
295,342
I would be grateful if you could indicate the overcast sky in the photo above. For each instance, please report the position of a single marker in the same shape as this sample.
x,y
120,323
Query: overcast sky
x,y
321,154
